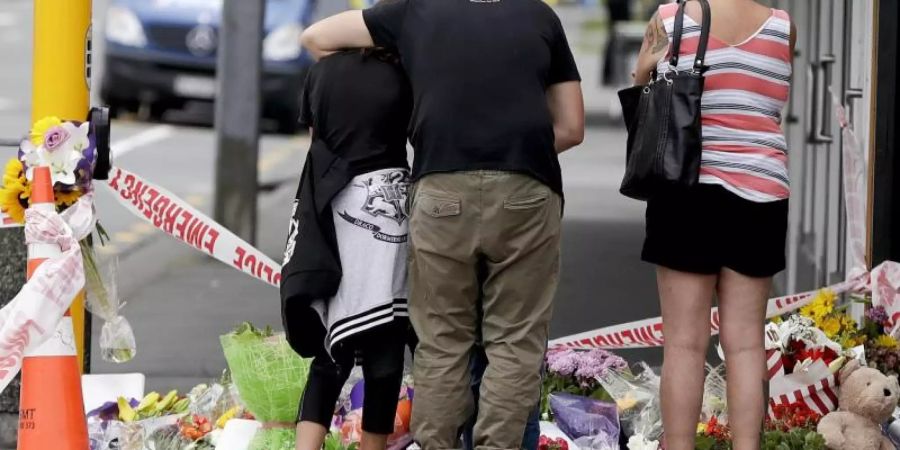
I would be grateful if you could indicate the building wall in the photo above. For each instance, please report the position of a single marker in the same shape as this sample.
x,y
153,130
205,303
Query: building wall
x,y
833,65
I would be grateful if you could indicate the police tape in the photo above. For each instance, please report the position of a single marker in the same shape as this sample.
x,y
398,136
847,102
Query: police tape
x,y
177,218
30,324
648,333
7,222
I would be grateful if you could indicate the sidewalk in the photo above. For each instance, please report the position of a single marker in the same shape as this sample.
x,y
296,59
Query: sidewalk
x,y
183,301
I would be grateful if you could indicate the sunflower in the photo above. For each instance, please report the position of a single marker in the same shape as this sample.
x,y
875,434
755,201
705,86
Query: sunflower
x,y
886,341
831,326
821,306
41,127
16,191
67,199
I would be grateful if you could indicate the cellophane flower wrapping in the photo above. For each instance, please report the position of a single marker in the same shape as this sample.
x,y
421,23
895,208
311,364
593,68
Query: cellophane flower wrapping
x,y
592,424
117,342
715,394
270,378
636,393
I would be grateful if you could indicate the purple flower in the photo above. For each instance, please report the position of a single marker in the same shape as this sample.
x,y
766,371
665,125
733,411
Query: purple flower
x,y
55,137
563,363
586,366
877,314
596,363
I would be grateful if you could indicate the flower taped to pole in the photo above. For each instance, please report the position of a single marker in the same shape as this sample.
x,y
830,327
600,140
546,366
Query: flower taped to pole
x,y
51,410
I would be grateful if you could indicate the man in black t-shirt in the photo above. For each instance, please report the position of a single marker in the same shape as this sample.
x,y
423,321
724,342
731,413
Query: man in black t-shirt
x,y
497,96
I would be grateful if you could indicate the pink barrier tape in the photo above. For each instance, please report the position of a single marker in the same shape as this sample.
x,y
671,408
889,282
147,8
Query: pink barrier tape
x,y
6,222
31,318
178,219
648,333
855,179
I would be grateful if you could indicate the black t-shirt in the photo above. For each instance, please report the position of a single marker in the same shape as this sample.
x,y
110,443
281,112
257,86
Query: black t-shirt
x,y
360,107
479,72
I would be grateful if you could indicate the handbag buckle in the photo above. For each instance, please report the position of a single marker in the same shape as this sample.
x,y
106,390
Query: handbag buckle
x,y
667,76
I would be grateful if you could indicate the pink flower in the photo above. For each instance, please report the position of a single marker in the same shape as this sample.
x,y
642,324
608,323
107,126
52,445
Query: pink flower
x,y
55,137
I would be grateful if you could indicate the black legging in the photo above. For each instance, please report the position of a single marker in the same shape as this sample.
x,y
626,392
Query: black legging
x,y
380,352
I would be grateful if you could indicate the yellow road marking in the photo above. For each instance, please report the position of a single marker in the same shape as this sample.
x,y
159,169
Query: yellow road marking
x,y
274,158
127,237
195,200
142,228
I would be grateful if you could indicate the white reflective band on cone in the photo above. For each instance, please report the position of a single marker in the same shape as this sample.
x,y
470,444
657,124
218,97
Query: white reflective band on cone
x,y
61,343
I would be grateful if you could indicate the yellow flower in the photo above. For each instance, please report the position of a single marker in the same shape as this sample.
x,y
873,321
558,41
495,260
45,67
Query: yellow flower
x,y
15,192
41,127
821,305
701,428
831,326
66,199
230,414
777,320
885,341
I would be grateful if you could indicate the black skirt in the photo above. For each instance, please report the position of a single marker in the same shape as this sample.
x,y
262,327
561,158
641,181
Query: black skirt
x,y
706,228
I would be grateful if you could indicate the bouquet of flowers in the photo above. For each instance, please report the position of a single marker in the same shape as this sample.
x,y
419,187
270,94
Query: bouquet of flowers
x,y
636,393
714,435
578,372
882,349
348,418
270,378
592,424
69,150
800,345
833,320
790,416
66,148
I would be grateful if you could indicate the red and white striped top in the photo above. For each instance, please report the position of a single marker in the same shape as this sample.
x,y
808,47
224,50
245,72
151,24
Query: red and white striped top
x,y
747,87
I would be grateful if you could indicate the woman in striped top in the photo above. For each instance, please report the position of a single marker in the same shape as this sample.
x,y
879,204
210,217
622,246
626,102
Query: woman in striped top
x,y
726,236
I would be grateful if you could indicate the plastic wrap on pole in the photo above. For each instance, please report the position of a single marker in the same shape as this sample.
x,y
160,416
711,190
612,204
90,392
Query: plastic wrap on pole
x,y
31,317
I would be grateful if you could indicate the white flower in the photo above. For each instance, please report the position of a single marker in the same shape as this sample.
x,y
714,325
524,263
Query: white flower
x,y
639,442
63,160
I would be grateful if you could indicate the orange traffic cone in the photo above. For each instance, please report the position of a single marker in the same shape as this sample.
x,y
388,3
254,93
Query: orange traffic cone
x,y
51,410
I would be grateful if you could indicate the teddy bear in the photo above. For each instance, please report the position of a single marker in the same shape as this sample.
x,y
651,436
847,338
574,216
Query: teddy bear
x,y
867,399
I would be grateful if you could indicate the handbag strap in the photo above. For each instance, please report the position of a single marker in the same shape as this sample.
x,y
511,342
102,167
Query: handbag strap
x,y
704,36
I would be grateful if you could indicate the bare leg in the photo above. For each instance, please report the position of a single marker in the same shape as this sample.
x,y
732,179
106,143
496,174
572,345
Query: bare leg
x,y
742,308
372,441
686,300
310,436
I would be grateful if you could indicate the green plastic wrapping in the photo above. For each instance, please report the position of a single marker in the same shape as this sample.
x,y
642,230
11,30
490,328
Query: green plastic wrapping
x,y
270,378
274,439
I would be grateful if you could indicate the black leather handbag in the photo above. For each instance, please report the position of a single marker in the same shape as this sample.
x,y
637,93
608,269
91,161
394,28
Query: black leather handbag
x,y
663,121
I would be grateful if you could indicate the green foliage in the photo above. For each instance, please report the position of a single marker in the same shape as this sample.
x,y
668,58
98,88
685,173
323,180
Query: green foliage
x,y
333,442
555,384
797,439
705,442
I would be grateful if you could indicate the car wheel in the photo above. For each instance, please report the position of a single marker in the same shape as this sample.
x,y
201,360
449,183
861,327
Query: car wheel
x,y
151,112
118,107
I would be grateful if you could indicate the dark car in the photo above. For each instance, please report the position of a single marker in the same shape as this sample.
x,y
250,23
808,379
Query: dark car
x,y
161,54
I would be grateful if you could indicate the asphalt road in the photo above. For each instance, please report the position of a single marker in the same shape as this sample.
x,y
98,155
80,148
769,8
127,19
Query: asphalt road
x,y
179,302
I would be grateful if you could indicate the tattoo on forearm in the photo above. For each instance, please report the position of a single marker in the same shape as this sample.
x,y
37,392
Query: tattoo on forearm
x,y
660,38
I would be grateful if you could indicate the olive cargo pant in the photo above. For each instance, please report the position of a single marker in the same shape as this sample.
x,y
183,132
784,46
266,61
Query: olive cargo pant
x,y
510,224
